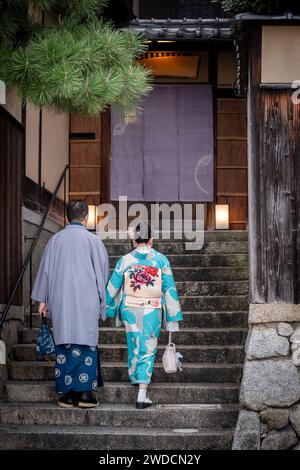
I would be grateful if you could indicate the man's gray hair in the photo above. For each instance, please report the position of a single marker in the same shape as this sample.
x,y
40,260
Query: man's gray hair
x,y
77,210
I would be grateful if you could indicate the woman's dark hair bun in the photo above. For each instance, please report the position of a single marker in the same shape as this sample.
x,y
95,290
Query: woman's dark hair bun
x,y
142,233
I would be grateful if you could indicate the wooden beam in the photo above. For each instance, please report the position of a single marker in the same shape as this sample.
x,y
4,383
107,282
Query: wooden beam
x,y
85,193
85,166
232,194
213,80
240,139
84,141
255,233
276,86
105,156
231,167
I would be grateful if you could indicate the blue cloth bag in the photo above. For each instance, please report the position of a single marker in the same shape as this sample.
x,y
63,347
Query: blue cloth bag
x,y
45,343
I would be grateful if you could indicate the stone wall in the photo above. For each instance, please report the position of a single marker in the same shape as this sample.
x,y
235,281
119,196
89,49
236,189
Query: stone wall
x,y
31,222
270,389
19,315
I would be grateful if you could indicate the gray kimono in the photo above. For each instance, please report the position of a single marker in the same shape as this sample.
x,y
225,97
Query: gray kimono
x,y
71,280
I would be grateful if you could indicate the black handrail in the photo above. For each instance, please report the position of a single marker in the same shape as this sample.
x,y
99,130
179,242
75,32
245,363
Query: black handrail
x,y
36,238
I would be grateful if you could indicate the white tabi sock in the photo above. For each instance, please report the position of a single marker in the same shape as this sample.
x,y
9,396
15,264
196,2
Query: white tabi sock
x,y
142,396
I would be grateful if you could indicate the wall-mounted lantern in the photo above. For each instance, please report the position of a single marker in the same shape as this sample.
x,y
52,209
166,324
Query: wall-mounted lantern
x,y
222,216
92,220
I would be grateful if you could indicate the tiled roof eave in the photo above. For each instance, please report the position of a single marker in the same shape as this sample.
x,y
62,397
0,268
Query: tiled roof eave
x,y
253,17
201,28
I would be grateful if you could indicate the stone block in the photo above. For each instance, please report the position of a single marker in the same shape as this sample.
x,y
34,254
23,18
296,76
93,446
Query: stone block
x,y
280,440
266,343
274,383
284,329
247,433
275,418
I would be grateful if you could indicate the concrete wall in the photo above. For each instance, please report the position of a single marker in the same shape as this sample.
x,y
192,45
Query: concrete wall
x,y
55,145
280,54
32,142
55,148
55,140
13,103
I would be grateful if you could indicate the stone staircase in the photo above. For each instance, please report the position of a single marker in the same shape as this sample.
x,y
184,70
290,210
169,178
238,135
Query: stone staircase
x,y
196,409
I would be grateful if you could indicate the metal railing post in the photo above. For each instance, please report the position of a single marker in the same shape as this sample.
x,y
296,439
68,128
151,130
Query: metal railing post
x,y
30,289
65,198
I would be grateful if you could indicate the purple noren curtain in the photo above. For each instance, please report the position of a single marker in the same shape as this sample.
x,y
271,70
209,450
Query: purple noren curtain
x,y
127,148
167,154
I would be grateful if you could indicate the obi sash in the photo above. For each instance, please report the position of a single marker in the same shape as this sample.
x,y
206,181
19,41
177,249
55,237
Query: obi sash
x,y
143,286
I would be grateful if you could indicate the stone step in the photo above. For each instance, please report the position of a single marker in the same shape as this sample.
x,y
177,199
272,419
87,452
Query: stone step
x,y
212,288
198,319
201,260
117,372
121,415
212,273
18,437
216,302
161,393
118,353
188,336
119,248
211,303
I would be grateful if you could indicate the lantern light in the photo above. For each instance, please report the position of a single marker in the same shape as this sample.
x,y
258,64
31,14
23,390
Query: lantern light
x,y
92,217
222,216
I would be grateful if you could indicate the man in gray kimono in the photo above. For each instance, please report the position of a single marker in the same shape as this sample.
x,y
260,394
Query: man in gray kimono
x,y
70,286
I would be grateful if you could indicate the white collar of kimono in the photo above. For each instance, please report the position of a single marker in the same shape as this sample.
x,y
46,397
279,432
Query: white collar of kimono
x,y
143,250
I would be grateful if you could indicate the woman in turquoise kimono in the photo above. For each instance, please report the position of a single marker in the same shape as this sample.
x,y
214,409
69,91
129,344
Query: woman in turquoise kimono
x,y
142,295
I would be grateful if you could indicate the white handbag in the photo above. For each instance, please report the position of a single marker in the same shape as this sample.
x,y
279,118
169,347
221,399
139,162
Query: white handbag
x,y
170,359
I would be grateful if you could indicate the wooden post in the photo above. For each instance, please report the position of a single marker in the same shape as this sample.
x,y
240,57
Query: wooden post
x,y
105,137
278,165
254,186
273,168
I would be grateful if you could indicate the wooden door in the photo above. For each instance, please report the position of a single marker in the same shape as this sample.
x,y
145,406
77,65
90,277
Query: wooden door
x,y
231,168
89,157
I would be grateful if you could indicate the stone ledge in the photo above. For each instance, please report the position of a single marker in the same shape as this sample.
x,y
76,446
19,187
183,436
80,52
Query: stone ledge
x,y
272,313
35,219
16,312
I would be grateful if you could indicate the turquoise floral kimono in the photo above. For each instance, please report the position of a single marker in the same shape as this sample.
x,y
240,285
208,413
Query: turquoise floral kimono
x,y
141,273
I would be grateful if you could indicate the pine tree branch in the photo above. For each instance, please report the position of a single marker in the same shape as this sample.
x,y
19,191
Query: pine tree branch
x,y
83,64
